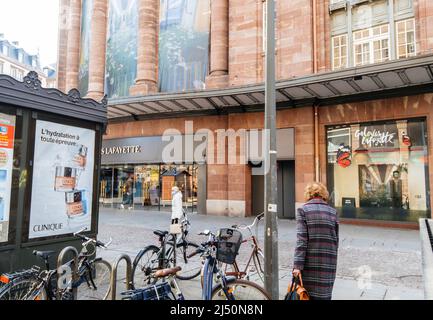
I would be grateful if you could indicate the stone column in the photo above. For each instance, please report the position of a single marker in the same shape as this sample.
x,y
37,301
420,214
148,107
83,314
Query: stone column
x,y
147,49
73,45
218,75
62,51
97,51
423,17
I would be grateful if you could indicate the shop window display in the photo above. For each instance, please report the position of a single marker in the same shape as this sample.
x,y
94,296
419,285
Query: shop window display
x,y
379,170
185,178
147,186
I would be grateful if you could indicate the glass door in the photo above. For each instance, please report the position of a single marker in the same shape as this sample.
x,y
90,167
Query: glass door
x,y
106,187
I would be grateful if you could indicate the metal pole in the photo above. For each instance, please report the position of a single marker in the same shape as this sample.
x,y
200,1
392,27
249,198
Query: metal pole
x,y
271,230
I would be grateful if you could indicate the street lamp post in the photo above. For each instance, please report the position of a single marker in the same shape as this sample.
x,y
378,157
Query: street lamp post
x,y
271,229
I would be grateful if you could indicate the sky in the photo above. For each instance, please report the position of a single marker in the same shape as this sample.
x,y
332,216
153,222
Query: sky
x,y
34,24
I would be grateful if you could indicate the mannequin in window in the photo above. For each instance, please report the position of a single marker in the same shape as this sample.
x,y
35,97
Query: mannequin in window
x,y
396,189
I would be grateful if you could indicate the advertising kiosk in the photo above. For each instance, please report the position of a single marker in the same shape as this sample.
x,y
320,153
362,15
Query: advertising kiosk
x,y
49,169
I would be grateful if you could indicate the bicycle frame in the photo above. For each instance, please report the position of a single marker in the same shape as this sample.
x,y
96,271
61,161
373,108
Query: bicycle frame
x,y
255,248
44,281
210,267
237,272
163,252
85,269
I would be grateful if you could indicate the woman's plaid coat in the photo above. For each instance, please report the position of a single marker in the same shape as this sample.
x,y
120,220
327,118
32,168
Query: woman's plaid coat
x,y
317,247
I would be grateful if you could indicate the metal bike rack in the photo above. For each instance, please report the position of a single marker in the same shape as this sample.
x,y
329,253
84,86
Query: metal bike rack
x,y
75,277
114,267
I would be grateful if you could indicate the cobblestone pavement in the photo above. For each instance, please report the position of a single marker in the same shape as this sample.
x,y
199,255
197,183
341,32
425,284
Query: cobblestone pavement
x,y
373,263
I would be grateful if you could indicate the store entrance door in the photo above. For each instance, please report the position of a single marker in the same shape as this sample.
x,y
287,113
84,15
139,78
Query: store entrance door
x,y
286,189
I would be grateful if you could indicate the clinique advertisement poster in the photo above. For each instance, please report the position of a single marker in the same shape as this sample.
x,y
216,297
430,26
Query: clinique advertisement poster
x,y
7,134
62,179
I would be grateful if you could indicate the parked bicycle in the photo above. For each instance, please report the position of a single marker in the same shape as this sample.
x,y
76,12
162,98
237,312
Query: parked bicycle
x,y
219,249
254,268
37,284
164,256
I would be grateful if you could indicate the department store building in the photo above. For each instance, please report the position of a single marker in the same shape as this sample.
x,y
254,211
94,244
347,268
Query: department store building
x,y
354,100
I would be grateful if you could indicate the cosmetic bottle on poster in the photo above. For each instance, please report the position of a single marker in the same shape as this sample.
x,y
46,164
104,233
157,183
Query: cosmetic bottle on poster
x,y
76,203
66,179
80,158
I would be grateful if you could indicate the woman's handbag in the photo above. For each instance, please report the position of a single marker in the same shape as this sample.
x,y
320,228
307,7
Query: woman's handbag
x,y
296,290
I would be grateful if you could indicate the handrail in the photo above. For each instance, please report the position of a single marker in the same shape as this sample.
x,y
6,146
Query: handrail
x,y
113,281
74,275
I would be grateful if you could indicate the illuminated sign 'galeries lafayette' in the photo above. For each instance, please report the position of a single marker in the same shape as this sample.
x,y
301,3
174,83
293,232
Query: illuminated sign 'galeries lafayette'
x,y
375,138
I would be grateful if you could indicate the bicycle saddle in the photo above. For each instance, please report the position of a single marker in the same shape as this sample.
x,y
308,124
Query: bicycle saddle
x,y
167,272
43,254
160,233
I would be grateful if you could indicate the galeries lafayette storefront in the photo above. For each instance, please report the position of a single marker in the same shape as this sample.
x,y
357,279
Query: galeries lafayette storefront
x,y
364,132
379,170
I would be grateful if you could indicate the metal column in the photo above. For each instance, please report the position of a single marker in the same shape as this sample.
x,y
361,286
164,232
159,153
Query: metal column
x,y
271,196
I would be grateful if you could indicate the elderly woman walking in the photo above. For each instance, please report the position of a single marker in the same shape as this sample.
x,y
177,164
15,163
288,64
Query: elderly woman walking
x,y
317,243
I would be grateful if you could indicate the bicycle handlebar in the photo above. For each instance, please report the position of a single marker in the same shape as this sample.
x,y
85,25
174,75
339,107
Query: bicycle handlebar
x,y
245,227
88,240
199,250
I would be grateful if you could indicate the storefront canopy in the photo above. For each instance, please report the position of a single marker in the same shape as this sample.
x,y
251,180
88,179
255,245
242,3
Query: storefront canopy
x,y
389,79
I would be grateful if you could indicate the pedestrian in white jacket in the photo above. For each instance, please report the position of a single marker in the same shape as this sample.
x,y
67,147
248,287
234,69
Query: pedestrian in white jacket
x,y
176,205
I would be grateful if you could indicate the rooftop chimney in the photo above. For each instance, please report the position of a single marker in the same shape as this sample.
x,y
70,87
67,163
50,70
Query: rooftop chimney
x,y
2,35
16,43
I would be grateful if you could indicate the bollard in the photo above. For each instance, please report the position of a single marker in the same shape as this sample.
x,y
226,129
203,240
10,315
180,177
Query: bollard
x,y
114,267
75,275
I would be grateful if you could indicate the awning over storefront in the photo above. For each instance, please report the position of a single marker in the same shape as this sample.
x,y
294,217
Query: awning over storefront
x,y
389,79
184,148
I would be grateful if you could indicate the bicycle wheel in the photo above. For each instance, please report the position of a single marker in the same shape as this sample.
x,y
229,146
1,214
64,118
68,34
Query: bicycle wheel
x,y
98,275
191,267
241,290
19,289
146,262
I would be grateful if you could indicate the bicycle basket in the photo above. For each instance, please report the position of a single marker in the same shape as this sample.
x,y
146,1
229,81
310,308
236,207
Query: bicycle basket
x,y
160,291
229,242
